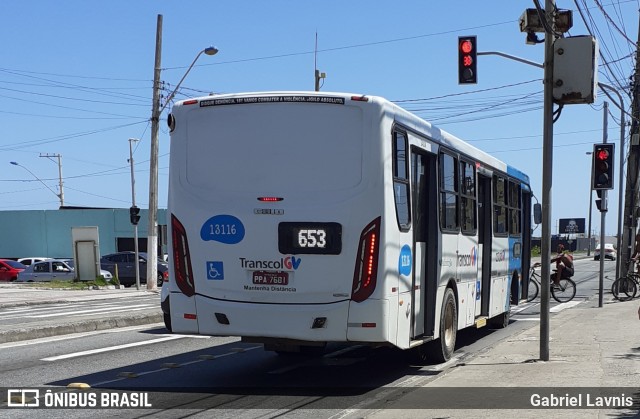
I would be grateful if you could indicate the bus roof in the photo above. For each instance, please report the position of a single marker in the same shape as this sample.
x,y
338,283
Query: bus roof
x,y
400,114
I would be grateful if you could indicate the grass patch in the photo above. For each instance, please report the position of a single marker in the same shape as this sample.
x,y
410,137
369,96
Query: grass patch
x,y
74,285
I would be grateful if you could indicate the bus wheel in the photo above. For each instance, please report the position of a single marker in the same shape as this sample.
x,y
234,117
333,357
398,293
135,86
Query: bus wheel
x,y
167,321
502,320
442,349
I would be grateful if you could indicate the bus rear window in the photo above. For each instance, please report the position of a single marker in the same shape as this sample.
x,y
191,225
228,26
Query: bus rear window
x,y
287,146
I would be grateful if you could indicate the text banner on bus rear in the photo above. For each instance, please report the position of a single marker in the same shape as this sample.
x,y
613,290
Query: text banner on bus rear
x,y
272,99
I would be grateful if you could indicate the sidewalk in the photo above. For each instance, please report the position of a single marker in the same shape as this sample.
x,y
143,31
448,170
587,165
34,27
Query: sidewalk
x,y
589,347
12,295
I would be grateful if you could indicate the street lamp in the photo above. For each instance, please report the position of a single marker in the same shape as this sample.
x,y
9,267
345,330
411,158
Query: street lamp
x,y
60,195
152,239
207,51
590,205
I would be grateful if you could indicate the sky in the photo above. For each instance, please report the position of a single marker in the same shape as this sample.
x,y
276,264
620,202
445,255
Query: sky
x,y
76,80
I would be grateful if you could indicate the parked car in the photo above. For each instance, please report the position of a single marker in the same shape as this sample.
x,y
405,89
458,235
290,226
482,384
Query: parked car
x,y
609,252
9,269
31,260
103,272
46,271
125,262
52,270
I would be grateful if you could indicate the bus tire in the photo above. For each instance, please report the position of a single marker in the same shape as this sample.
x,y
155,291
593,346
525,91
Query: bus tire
x,y
442,349
501,320
167,321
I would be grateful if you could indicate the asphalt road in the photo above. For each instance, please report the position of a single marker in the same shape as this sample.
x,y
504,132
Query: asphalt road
x,y
223,377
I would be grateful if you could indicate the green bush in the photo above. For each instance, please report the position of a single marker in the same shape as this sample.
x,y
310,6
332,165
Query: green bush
x,y
535,251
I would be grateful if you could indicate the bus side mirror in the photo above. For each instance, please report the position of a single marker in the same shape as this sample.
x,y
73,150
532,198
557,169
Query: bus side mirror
x,y
537,213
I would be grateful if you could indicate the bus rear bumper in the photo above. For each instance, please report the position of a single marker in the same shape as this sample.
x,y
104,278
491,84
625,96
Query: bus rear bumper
x,y
308,322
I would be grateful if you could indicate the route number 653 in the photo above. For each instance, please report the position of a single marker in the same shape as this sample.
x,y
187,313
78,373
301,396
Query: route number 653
x,y
312,238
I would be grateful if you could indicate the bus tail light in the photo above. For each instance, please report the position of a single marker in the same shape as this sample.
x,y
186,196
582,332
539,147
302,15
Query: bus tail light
x,y
182,258
366,271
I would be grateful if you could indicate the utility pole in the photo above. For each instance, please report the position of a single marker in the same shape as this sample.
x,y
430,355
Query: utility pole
x,y
547,176
152,232
133,215
631,192
59,157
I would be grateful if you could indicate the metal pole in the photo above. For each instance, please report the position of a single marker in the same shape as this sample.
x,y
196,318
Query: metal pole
x,y
622,241
590,206
36,177
152,233
547,176
604,205
133,204
602,239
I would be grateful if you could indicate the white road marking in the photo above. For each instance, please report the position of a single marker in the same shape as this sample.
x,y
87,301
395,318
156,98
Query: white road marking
x,y
33,313
78,335
111,348
71,313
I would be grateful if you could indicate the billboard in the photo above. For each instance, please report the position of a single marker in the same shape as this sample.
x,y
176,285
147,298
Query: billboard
x,y
571,226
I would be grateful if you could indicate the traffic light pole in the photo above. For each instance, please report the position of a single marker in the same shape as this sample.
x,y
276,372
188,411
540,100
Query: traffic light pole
x,y
623,237
602,178
547,171
133,205
512,57
603,214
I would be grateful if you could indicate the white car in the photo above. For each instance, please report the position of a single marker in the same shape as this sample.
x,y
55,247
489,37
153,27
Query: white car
x,y
609,252
52,270
31,260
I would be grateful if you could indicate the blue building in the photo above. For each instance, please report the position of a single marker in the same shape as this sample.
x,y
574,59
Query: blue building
x,y
48,232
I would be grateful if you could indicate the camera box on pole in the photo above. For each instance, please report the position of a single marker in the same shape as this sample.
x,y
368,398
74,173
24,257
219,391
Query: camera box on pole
x,y
575,70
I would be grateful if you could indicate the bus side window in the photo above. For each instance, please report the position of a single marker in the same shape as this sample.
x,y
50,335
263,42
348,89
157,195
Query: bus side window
x,y
500,205
468,197
401,180
449,192
515,208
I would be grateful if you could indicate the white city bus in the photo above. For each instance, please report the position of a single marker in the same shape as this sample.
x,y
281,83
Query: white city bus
x,y
302,218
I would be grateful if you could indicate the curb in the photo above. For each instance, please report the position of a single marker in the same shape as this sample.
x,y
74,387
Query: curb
x,y
45,331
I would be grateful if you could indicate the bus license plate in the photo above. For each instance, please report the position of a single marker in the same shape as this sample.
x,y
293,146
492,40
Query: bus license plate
x,y
270,278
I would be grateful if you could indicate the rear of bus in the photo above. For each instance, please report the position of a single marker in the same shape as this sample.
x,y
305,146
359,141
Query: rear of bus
x,y
274,217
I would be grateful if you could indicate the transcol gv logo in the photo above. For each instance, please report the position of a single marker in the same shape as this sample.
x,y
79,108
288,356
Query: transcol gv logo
x,y
288,263
468,259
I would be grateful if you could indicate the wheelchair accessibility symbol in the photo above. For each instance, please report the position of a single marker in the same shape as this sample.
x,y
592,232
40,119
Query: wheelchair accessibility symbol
x,y
215,270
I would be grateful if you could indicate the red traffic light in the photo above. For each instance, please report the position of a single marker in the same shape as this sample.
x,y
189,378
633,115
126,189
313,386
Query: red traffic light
x,y
466,46
602,166
602,154
467,65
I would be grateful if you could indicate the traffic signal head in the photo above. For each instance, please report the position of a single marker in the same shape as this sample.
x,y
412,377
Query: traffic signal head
x,y
603,158
134,214
467,63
